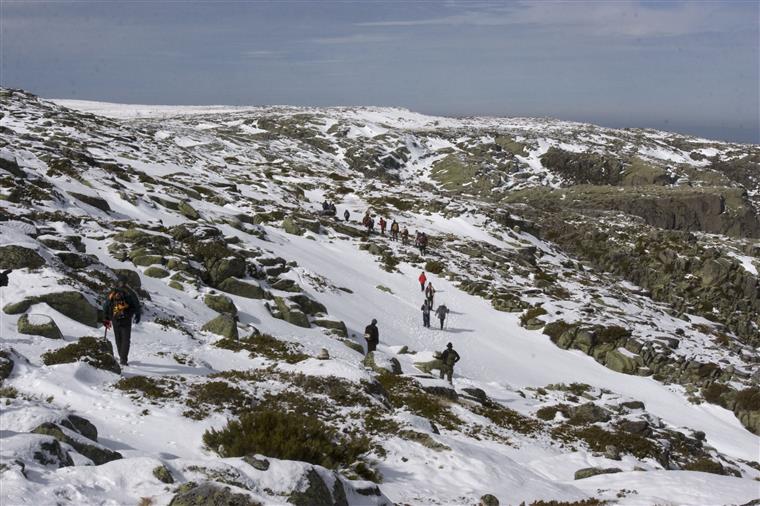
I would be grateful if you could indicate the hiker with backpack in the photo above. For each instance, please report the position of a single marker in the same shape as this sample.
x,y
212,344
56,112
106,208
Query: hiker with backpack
x,y
425,314
449,357
368,222
430,293
422,279
405,236
422,243
394,231
372,336
346,215
383,223
120,307
441,313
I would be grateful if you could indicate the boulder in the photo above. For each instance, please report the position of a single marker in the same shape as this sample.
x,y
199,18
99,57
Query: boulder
x,y
9,164
489,500
210,494
291,312
156,272
353,345
382,362
163,474
81,425
91,200
71,304
19,257
221,304
286,285
147,260
225,268
223,325
588,413
312,491
45,450
242,288
290,226
336,326
133,277
259,464
620,362
323,354
188,211
99,454
39,325
308,305
588,472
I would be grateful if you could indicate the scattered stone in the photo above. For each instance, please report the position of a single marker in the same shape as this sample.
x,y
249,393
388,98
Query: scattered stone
x,y
221,304
91,200
97,453
336,326
80,425
242,288
323,354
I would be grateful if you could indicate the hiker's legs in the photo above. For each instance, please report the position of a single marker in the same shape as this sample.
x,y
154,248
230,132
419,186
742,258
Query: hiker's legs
x,y
123,335
441,323
450,374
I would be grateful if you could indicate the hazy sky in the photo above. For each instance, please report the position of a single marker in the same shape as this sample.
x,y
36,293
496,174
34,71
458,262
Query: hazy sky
x,y
683,66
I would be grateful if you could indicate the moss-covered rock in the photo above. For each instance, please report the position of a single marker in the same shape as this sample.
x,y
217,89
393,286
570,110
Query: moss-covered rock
x,y
156,272
337,327
210,494
39,325
286,285
588,472
223,325
163,474
188,211
19,257
80,425
312,491
147,260
620,362
71,304
90,350
221,304
242,288
99,454
290,226
225,268
290,312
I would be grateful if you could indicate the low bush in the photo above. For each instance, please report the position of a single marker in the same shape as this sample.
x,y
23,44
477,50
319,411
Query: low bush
x,y
150,387
748,399
90,350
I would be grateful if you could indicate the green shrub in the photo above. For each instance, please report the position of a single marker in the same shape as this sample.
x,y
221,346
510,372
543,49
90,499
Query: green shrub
x,y
434,266
748,399
714,393
548,413
508,419
150,387
266,346
285,435
90,350
403,392
214,394
598,439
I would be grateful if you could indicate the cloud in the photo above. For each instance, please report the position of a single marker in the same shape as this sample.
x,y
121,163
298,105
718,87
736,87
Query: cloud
x,y
356,38
625,18
262,53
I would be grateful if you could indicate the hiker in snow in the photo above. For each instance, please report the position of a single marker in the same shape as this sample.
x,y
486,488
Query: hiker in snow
x,y
383,223
425,314
422,243
4,277
372,336
405,236
441,313
449,357
430,293
367,222
394,231
346,214
120,307
422,279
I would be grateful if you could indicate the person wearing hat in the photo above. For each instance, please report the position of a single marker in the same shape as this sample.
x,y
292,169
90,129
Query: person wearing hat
x,y
120,308
372,335
449,357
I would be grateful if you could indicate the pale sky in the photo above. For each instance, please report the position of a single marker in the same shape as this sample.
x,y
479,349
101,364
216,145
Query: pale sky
x,y
690,67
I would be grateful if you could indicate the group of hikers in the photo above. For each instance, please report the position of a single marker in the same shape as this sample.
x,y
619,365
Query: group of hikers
x,y
420,241
448,357
329,209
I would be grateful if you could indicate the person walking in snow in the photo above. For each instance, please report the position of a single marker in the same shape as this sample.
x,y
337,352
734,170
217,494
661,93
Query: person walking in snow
x,y
449,357
367,222
372,336
422,279
346,214
120,308
394,231
405,236
425,314
4,277
430,293
422,243
441,313
383,223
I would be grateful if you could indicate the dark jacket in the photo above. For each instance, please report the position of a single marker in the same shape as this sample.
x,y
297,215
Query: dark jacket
x,y
372,334
114,297
442,311
425,308
449,357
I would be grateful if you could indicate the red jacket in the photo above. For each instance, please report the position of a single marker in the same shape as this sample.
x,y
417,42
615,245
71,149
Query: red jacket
x,y
422,278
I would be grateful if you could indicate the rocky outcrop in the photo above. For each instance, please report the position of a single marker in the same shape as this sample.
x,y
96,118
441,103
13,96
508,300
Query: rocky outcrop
x,y
223,325
39,325
19,257
71,304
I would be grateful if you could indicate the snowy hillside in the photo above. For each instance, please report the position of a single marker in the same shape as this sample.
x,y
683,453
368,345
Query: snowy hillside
x,y
603,288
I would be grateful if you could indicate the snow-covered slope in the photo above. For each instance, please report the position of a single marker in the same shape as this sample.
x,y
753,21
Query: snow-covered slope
x,y
191,199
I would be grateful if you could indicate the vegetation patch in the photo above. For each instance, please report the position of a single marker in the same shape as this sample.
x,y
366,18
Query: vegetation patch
x,y
214,395
403,392
509,419
285,435
90,350
599,439
152,388
266,346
